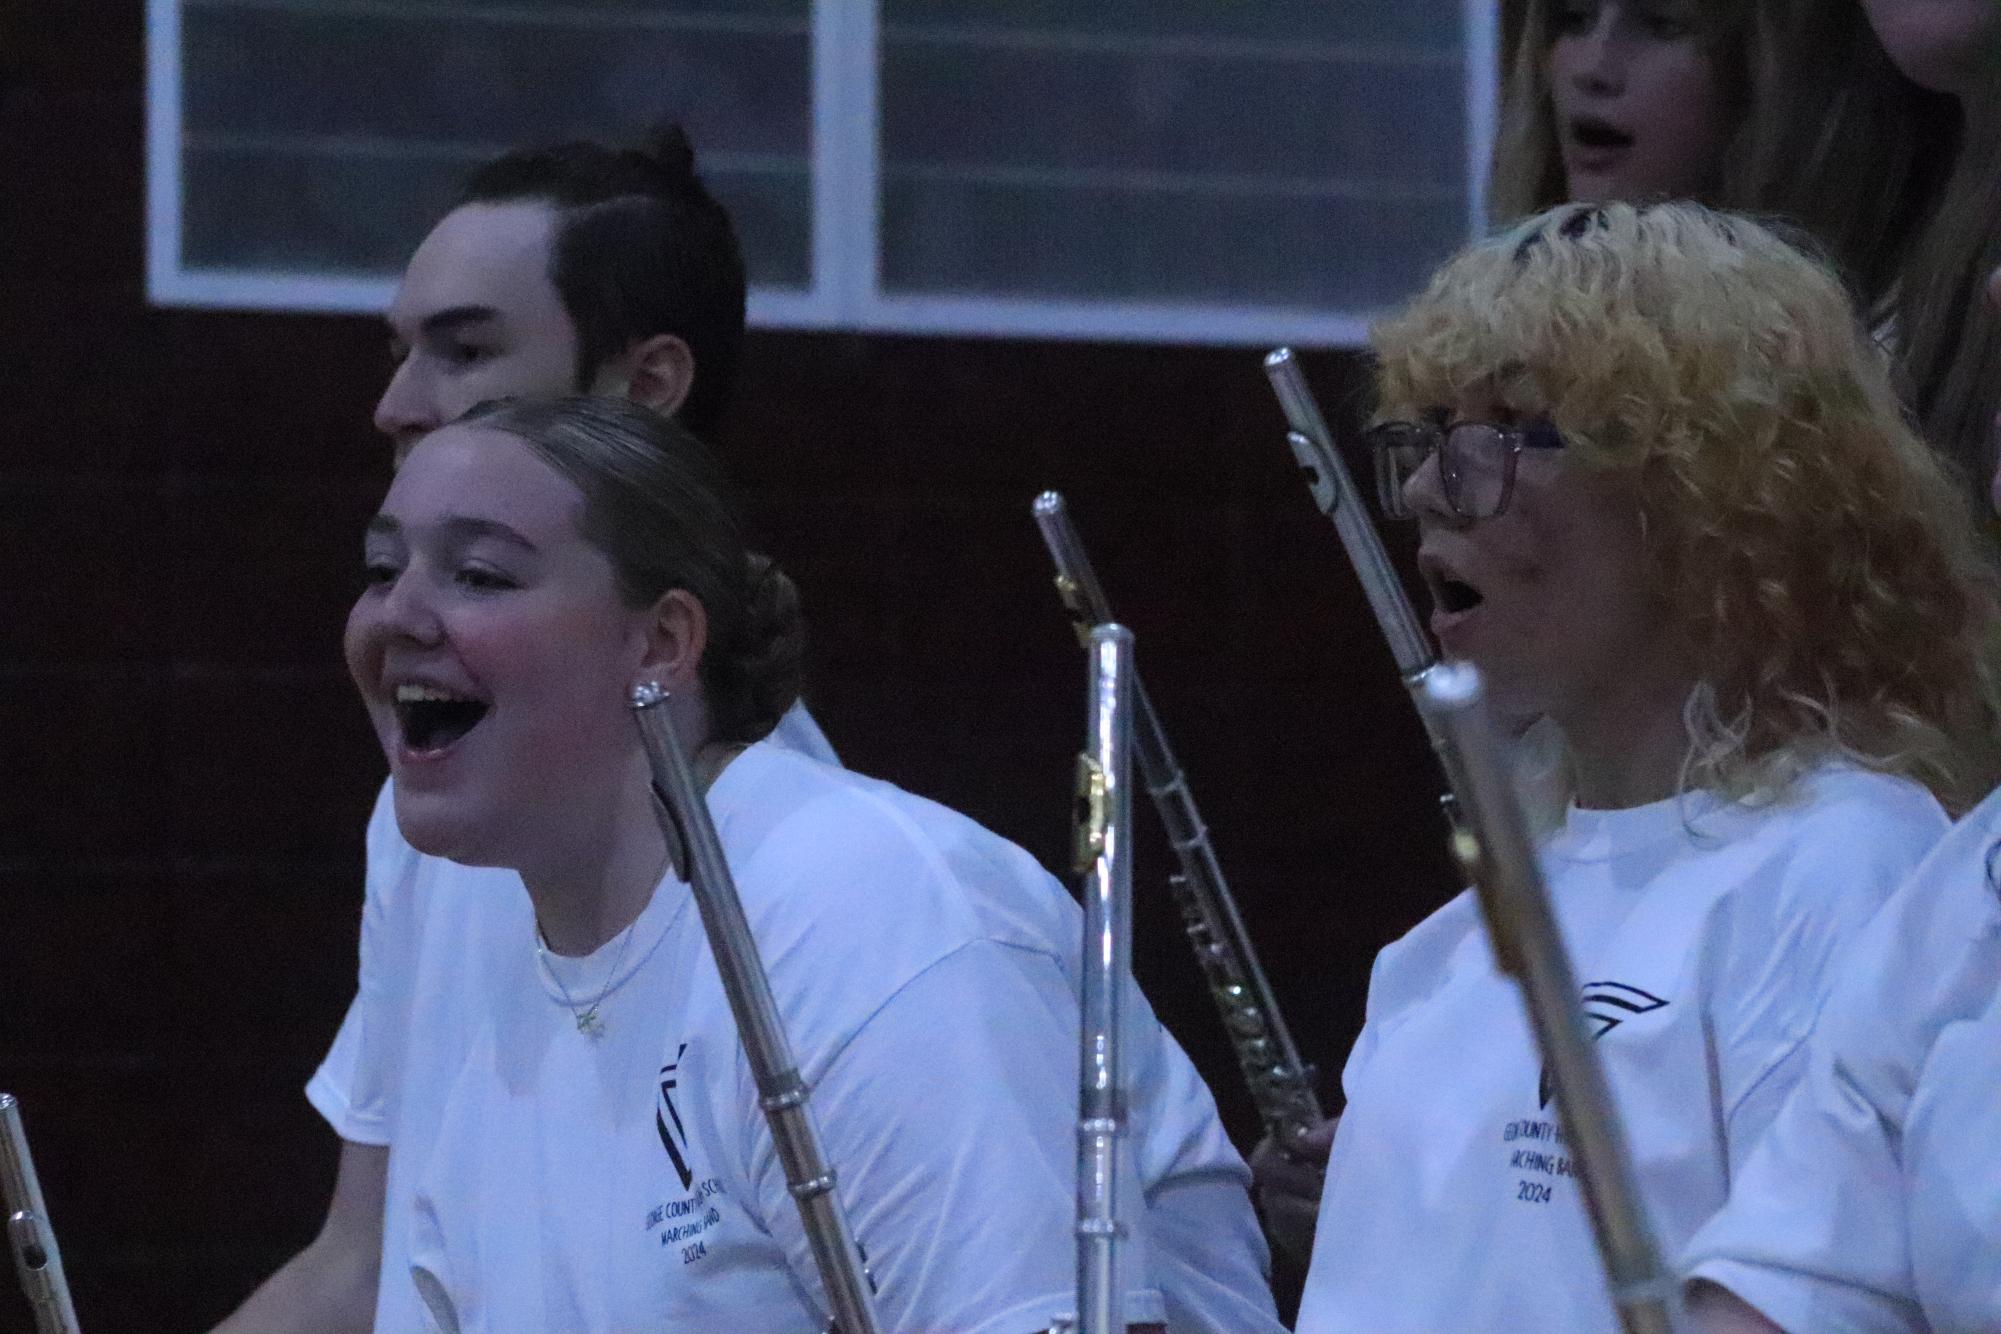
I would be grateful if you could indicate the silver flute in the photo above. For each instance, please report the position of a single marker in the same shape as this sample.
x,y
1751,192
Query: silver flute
x,y
1104,862
1492,845
36,1258
1334,493
782,1093
1281,1085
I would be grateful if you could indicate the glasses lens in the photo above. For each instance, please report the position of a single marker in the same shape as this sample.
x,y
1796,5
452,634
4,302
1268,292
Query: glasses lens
x,y
1400,449
1474,467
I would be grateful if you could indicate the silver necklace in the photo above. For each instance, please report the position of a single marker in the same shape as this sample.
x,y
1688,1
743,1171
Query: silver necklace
x,y
589,1022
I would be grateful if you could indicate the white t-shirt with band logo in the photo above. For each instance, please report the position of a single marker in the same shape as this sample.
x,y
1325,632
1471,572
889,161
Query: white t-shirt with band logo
x,y
1704,936
1874,1202
926,971
347,1088
427,924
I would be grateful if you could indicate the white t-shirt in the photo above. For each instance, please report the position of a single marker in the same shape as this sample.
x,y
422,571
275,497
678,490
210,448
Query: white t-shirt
x,y
1702,935
448,950
426,926
339,1088
1874,1202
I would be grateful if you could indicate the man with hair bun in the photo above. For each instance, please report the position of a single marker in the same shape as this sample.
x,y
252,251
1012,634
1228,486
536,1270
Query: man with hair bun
x,y
576,268
581,268
571,268
565,268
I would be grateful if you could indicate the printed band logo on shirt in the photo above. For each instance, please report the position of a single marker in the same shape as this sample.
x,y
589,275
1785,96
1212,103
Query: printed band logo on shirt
x,y
1607,1005
674,1138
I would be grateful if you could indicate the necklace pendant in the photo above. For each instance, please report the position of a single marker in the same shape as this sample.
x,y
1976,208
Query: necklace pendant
x,y
589,1024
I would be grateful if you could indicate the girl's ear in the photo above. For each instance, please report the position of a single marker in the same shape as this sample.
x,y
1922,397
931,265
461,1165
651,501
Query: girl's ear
x,y
676,639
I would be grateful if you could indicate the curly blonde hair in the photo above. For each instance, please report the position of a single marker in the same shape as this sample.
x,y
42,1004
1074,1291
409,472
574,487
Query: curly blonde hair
x,y
1815,555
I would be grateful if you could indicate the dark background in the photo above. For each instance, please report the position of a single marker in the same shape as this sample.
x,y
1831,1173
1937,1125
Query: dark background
x,y
184,775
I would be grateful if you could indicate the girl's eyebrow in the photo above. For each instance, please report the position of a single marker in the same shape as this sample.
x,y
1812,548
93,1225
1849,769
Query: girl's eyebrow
x,y
459,528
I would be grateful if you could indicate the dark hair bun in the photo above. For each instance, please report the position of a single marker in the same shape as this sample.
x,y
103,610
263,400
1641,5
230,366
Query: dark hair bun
x,y
668,148
768,659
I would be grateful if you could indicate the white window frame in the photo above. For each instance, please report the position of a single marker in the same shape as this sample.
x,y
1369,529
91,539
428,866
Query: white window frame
x,y
846,291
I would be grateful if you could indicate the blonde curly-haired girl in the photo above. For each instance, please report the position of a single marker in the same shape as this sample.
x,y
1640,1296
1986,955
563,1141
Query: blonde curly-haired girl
x,y
1667,504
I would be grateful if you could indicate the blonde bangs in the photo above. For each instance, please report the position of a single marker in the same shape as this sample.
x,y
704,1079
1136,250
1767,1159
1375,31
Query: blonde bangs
x,y
1619,322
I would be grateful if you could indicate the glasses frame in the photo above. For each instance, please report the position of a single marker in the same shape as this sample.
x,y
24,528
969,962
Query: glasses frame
x,y
1435,438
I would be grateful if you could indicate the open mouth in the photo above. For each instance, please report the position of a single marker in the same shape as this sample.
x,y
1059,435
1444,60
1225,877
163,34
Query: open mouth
x,y
1455,595
1590,132
432,719
1449,593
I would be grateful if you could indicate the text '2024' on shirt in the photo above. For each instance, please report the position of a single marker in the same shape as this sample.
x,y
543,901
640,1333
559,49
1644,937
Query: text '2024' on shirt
x,y
1704,935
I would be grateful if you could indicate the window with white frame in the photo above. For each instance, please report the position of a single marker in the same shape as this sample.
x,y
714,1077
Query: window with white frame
x,y
1161,169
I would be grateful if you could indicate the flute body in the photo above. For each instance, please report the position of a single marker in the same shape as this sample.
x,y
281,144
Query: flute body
x,y
1494,848
1280,1085
782,1093
1103,857
32,1239
1334,492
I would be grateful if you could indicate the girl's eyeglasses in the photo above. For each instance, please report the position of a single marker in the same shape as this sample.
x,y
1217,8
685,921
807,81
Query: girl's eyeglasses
x,y
1476,462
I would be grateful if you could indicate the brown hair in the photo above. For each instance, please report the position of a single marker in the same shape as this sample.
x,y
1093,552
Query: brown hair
x,y
1830,134
1839,141
1949,338
641,247
656,505
1527,172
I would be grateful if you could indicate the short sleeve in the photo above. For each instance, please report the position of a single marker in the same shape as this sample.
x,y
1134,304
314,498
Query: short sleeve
x,y
354,1087
1952,1174
950,1117
331,1089
1209,1256
1779,952
1812,1235
1405,974
1815,1233
1180,1134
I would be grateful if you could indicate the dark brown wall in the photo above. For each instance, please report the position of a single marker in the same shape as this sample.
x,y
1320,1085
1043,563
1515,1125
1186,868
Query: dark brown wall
x,y
183,776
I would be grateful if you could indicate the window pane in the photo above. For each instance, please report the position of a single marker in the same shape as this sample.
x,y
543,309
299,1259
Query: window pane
x,y
325,136
1291,152
1289,22
1109,242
